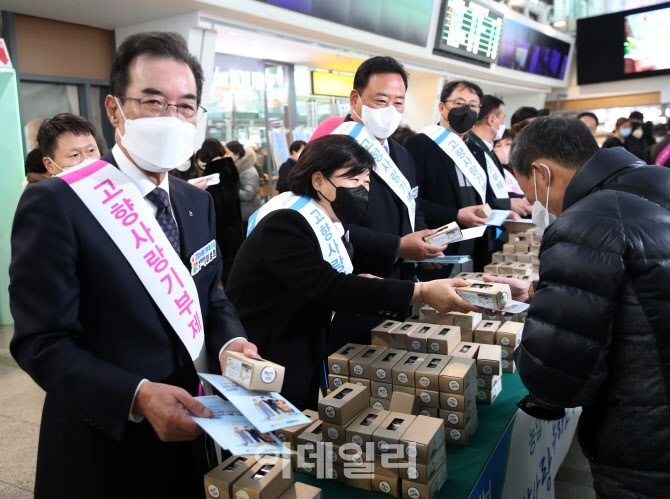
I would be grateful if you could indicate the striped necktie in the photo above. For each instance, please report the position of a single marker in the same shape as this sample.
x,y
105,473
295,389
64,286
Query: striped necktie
x,y
160,198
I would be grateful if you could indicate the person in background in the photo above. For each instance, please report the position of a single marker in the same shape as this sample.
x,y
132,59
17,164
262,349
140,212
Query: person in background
x,y
601,301
250,190
590,120
635,142
66,140
403,134
294,150
524,114
35,169
226,195
188,170
501,150
622,130
660,152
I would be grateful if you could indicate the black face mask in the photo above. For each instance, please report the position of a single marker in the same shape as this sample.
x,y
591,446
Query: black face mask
x,y
350,204
461,119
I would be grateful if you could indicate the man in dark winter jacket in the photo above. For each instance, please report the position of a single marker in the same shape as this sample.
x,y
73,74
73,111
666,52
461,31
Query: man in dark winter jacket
x,y
597,330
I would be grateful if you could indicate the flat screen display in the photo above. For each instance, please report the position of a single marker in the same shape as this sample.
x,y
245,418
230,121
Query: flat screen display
x,y
469,29
647,38
525,49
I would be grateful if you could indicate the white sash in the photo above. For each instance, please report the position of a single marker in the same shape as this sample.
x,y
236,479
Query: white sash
x,y
385,167
120,209
495,178
512,183
456,149
326,230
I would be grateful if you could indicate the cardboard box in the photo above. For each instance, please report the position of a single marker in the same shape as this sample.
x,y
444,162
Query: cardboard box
x,y
523,257
520,238
489,317
381,390
458,403
336,473
335,381
477,277
535,248
529,278
398,339
335,433
489,295
464,275
467,336
486,332
380,334
521,317
432,412
391,430
444,339
386,485
413,318
487,381
428,398
404,389
311,436
484,212
359,365
466,350
253,374
427,375
381,369
491,268
445,235
301,490
508,366
344,403
360,430
219,481
422,473
507,353
509,334
359,483
509,248
380,403
458,419
291,433
521,269
489,396
498,257
361,382
458,376
268,478
522,247
488,359
417,339
507,268
414,490
457,436
428,314
403,371
338,363
404,403
423,438
467,321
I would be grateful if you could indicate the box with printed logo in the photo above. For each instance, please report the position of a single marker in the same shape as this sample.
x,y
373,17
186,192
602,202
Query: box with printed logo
x,y
486,332
507,353
489,396
344,403
338,363
458,419
398,338
489,295
336,473
381,369
428,398
290,434
381,390
403,371
423,439
488,359
380,334
427,375
361,382
458,375
335,433
445,235
432,412
417,340
335,381
458,436
414,490
219,481
386,485
301,490
508,366
487,381
380,403
459,403
253,374
444,339
360,430
420,472
404,389
359,365
269,477
509,334
309,438
405,403
466,350
390,432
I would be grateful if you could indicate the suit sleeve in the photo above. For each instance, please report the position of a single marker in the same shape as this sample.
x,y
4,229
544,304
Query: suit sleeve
x,y
44,300
296,260
222,323
567,335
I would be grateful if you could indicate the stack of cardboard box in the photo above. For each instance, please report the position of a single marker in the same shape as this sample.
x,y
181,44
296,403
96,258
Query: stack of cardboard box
x,y
508,336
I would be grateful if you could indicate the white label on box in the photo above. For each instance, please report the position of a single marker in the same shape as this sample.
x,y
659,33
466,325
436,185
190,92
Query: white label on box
x,y
332,474
412,473
383,445
330,412
336,368
504,354
357,459
241,495
378,405
213,491
504,341
481,395
416,345
358,370
359,383
332,456
424,412
413,493
424,380
402,377
454,385
481,383
435,346
452,402
487,369
333,433
281,437
268,374
384,486
411,451
382,392
425,397
308,467
455,434
505,364
309,446
381,374
357,440
453,418
337,382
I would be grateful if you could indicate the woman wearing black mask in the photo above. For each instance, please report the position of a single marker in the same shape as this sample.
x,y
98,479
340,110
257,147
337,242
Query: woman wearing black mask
x,y
294,269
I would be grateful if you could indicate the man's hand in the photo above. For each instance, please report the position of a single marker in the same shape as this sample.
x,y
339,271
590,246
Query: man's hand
x,y
432,265
521,206
201,183
165,408
413,247
241,346
442,297
521,290
467,217
369,276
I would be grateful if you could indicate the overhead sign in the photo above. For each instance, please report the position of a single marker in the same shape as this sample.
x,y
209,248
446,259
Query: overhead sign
x,y
5,61
331,84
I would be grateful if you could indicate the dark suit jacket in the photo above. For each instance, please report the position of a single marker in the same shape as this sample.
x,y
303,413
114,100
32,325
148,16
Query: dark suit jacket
x,y
87,332
282,175
285,293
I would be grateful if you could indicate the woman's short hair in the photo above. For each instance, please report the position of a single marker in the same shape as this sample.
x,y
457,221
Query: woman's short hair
x,y
211,148
328,154
236,148
621,122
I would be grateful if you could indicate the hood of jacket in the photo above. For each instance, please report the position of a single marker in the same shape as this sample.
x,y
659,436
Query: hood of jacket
x,y
246,161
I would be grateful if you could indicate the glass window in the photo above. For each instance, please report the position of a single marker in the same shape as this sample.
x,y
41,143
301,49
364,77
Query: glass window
x,y
44,100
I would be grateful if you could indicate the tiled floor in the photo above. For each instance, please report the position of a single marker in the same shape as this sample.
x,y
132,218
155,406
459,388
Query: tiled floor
x,y
21,406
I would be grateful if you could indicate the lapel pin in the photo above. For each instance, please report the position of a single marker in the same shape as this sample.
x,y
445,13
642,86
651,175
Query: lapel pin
x,y
190,213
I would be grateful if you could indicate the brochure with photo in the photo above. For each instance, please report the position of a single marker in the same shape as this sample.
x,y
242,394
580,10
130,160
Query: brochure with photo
x,y
234,432
498,217
267,411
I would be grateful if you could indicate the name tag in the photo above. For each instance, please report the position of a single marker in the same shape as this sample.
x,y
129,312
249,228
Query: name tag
x,y
203,257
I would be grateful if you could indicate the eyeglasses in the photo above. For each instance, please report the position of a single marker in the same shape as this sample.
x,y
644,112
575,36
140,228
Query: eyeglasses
x,y
152,106
461,102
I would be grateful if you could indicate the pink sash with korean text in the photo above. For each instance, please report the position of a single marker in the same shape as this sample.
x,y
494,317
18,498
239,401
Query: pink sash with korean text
x,y
120,209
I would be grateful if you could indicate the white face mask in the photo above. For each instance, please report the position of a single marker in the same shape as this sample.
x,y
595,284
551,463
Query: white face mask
x,y
70,169
185,166
158,144
380,122
202,164
541,216
500,131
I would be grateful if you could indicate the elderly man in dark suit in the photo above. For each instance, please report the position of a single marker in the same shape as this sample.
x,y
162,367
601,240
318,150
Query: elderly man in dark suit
x,y
118,374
